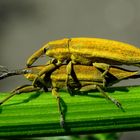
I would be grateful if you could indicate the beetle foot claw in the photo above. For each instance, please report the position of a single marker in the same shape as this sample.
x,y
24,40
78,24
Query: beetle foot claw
x,y
118,104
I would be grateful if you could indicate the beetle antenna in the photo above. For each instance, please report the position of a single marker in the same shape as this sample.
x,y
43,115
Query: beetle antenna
x,y
4,72
3,69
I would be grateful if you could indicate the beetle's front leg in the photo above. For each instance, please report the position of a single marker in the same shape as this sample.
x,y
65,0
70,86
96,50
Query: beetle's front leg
x,y
18,90
56,95
47,69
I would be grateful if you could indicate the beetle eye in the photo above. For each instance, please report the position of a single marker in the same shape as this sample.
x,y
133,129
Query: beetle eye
x,y
46,49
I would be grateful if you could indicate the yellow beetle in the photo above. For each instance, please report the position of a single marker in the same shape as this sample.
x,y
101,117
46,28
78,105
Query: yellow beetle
x,y
87,51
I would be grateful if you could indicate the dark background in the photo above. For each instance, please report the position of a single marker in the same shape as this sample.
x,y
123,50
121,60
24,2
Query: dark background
x,y
26,25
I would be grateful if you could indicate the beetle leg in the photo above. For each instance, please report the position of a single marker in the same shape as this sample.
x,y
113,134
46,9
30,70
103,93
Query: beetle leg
x,y
88,88
104,67
47,69
93,87
40,80
72,81
56,95
117,103
52,61
69,71
18,90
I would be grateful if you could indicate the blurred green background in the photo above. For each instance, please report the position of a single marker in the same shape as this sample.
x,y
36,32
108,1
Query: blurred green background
x,y
26,25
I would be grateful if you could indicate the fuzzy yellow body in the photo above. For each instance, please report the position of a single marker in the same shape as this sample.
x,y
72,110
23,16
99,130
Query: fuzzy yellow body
x,y
103,50
85,75
89,50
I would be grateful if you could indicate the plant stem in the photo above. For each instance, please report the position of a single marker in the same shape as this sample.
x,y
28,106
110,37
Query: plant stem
x,y
36,114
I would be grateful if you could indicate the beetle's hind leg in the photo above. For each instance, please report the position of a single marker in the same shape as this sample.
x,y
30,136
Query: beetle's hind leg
x,y
117,103
19,90
93,87
102,66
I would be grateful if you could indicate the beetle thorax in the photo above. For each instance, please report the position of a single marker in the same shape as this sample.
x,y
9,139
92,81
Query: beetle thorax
x,y
58,49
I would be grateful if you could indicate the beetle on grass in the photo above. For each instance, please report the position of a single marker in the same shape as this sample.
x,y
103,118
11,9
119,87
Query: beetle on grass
x,y
87,78
87,51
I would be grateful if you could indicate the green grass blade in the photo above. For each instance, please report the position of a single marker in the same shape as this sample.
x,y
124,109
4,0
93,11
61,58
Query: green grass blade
x,y
36,114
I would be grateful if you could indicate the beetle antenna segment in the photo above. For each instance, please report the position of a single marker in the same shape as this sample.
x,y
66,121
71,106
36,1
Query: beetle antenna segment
x,y
3,69
6,73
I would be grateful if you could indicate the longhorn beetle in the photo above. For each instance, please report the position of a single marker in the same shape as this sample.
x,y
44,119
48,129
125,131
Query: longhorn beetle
x,y
87,51
88,78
